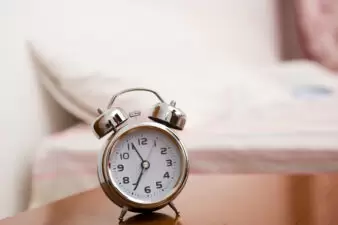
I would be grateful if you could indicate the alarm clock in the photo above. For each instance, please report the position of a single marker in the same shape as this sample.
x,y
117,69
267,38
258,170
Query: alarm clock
x,y
143,166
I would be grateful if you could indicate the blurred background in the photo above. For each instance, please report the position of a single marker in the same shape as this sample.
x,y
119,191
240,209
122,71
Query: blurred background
x,y
257,80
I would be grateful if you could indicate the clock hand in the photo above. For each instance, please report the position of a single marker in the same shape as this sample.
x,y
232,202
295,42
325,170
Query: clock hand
x,y
138,153
138,179
144,165
151,150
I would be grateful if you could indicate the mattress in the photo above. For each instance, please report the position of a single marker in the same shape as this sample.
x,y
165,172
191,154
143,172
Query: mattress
x,y
297,136
65,162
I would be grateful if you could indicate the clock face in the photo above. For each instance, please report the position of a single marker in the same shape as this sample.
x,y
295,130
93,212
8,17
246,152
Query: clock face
x,y
145,165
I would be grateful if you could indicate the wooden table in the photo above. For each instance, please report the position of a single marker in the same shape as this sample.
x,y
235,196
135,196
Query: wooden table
x,y
205,200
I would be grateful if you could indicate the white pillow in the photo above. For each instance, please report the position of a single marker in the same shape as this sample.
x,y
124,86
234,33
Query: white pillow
x,y
204,91
195,52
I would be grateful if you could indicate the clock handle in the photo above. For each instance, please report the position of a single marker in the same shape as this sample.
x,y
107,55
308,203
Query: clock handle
x,y
163,113
112,100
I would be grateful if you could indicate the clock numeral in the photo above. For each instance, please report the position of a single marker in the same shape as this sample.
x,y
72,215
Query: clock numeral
x,y
164,151
142,141
159,184
120,167
147,189
126,180
124,155
169,162
166,175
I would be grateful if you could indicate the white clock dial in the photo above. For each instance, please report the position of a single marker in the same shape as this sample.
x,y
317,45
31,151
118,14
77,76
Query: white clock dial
x,y
145,165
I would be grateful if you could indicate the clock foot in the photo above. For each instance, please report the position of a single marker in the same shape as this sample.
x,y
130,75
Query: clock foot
x,y
173,207
123,213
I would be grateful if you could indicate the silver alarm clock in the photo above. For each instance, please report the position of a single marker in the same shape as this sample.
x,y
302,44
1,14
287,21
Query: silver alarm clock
x,y
144,165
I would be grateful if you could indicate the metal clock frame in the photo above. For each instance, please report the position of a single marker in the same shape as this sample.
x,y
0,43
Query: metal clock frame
x,y
111,189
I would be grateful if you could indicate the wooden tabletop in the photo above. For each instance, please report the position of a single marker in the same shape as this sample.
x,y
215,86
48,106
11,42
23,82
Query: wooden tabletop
x,y
205,200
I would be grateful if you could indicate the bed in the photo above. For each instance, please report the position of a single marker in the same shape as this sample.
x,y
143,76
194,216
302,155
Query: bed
x,y
283,138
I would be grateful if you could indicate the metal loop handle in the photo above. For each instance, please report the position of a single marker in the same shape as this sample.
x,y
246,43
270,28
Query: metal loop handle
x,y
112,100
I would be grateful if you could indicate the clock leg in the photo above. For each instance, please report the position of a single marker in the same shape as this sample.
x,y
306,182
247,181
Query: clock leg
x,y
123,213
173,207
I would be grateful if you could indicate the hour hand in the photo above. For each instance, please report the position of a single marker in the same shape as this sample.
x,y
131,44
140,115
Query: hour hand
x,y
138,153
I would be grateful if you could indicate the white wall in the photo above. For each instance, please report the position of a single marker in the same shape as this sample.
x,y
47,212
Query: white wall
x,y
24,109
227,30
